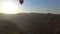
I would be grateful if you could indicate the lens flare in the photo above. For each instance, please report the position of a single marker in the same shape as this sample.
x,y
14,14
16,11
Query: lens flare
x,y
9,7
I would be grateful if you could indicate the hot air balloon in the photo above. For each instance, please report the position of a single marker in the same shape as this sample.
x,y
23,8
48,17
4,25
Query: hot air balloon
x,y
21,1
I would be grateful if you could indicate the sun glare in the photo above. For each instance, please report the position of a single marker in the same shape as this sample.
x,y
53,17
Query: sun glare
x,y
9,7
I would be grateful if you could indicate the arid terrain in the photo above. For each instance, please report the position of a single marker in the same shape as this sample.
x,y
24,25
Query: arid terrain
x,y
30,23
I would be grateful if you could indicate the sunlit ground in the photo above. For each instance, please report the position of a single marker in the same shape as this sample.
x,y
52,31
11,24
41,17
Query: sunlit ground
x,y
9,7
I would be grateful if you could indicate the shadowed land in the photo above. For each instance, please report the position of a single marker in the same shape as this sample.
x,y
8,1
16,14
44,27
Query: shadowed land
x,y
30,23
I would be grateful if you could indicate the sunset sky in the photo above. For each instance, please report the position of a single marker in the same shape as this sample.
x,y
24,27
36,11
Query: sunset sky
x,y
38,6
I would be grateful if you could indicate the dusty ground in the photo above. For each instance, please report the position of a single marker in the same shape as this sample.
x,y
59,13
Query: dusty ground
x,y
33,23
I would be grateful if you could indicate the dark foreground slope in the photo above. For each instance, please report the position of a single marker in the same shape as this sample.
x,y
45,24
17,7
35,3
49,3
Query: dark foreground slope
x,y
36,23
39,23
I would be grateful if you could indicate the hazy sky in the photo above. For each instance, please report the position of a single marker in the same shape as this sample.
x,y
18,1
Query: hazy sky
x,y
40,6
42,3
52,6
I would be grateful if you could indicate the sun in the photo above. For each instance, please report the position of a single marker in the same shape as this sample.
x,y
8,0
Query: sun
x,y
9,7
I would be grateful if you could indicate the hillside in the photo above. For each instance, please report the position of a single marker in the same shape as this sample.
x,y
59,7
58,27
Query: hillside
x,y
35,23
